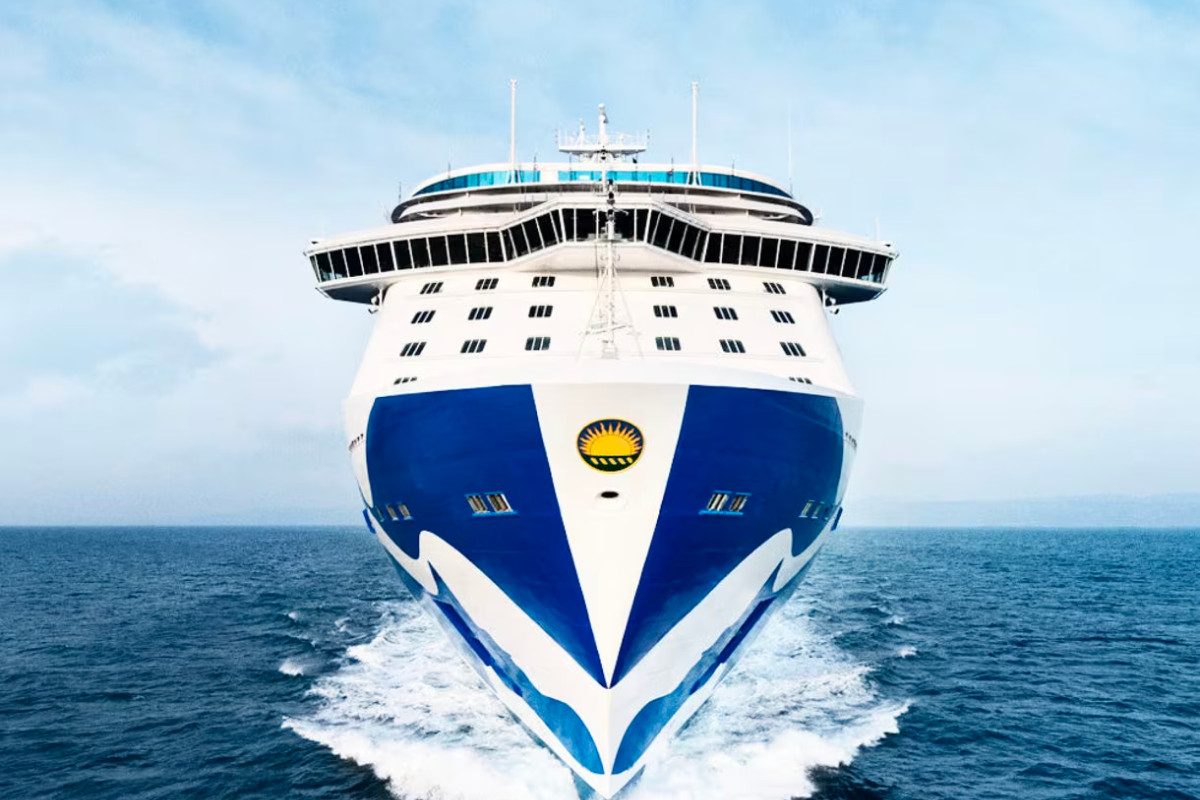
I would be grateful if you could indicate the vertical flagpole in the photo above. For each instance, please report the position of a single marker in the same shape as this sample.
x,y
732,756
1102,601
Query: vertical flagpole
x,y
695,110
791,189
512,125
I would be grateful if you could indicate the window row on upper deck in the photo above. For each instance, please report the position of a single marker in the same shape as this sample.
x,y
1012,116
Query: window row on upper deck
x,y
651,226
681,177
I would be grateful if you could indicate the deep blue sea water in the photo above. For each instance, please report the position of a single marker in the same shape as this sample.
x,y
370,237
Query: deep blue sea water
x,y
271,663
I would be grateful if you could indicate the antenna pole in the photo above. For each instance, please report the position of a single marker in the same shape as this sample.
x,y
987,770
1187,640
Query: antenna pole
x,y
695,110
512,124
791,189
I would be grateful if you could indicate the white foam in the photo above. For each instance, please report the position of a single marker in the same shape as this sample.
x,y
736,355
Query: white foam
x,y
906,652
293,615
405,705
297,666
795,702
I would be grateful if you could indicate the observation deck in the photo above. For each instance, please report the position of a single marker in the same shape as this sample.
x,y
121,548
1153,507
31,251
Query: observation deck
x,y
551,216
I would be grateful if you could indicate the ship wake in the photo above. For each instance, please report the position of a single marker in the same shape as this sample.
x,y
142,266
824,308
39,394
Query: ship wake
x,y
408,708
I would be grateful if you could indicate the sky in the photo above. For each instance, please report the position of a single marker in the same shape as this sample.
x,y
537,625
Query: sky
x,y
164,357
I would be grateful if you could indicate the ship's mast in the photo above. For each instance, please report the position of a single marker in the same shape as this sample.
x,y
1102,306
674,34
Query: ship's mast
x,y
608,274
601,151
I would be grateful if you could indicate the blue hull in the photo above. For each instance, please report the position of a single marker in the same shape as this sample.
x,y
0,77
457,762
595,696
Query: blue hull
x,y
782,451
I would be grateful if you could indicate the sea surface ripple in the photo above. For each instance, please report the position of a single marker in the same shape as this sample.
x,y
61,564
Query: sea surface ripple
x,y
282,662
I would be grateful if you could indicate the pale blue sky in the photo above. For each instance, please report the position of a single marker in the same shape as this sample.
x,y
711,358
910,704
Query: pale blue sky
x,y
163,356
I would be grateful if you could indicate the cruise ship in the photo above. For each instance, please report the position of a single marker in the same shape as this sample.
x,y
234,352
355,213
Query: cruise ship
x,y
601,426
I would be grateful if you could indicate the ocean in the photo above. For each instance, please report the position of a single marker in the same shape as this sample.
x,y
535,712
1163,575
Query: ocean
x,y
289,663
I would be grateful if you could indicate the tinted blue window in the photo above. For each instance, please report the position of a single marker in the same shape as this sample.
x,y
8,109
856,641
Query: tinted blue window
x,y
494,178
678,176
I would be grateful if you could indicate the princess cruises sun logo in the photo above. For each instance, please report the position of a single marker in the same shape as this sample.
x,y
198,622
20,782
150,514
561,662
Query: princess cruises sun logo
x,y
610,445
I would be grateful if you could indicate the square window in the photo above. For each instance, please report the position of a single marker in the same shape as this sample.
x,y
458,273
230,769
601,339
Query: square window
x,y
495,251
486,284
787,254
540,311
353,262
712,249
479,312
750,245
545,226
666,311
532,235
662,231
457,244
476,249
369,263
820,257
432,288
720,284
476,503
769,252
437,251
540,281
662,281
537,343
731,248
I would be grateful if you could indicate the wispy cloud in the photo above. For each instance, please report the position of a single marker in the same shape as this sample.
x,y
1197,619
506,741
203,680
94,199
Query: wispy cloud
x,y
164,164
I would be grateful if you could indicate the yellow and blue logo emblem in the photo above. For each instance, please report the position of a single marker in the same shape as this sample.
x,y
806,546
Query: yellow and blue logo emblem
x,y
610,445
